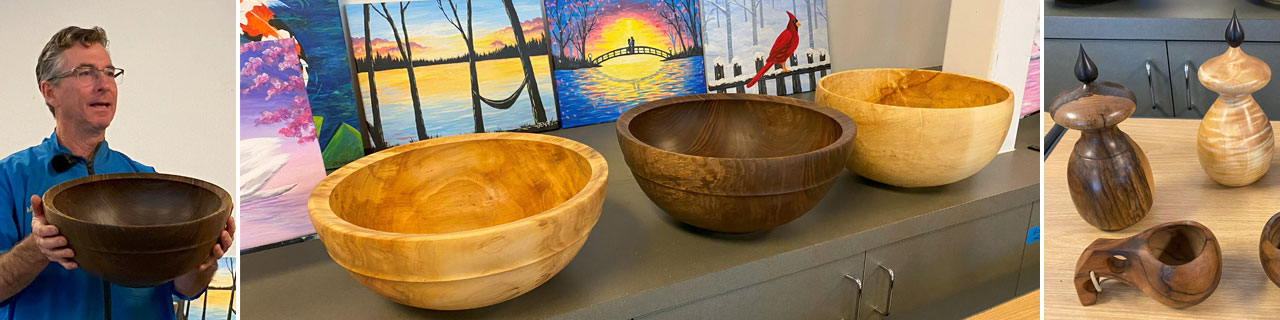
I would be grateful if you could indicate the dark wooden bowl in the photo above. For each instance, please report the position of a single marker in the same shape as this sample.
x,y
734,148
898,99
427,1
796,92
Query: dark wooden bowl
x,y
1269,249
138,229
735,162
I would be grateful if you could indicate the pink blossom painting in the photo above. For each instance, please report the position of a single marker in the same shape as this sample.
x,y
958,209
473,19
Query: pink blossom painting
x,y
280,159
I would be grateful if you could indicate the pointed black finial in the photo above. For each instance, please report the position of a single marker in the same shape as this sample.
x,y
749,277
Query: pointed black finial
x,y
1235,33
1086,71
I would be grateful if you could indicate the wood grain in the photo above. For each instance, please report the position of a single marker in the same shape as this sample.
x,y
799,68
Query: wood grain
x,y
1185,193
1177,263
1109,177
1269,249
919,128
1026,307
138,229
464,221
735,162
1235,142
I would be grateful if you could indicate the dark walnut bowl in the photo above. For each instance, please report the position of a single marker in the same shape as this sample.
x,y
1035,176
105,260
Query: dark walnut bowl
x,y
464,221
138,229
735,163
1269,249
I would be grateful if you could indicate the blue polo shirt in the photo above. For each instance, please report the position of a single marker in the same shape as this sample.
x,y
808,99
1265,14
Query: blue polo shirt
x,y
58,293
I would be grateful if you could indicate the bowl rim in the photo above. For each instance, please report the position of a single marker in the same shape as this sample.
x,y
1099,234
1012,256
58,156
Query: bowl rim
x,y
847,127
1271,227
822,88
49,195
318,202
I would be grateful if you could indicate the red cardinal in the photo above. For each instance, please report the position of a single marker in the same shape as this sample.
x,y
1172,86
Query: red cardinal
x,y
782,50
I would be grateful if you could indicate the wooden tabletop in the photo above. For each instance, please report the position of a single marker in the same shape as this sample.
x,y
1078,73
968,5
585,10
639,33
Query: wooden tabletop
x,y
1021,308
1182,192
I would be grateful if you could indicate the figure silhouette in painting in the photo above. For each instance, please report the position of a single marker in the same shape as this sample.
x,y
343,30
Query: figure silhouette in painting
x,y
631,45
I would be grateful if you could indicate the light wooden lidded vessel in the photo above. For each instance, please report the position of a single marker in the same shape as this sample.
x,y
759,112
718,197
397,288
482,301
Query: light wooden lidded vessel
x,y
919,128
1235,141
464,221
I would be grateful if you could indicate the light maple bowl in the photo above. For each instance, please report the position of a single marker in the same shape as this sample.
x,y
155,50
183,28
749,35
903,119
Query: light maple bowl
x,y
735,163
461,222
138,229
919,128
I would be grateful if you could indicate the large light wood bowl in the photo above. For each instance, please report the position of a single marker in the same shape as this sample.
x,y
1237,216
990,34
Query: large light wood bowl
x,y
735,162
464,221
919,128
138,229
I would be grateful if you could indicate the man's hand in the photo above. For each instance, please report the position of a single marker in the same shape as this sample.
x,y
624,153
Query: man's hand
x,y
194,282
51,242
220,248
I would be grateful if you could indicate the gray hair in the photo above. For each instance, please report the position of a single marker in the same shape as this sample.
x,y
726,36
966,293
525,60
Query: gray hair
x,y
51,59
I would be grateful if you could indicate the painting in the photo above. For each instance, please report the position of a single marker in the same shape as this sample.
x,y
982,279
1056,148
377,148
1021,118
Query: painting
x,y
280,160
611,55
765,46
316,25
219,301
440,68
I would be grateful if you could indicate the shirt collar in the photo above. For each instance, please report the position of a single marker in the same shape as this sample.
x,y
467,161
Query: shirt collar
x,y
55,148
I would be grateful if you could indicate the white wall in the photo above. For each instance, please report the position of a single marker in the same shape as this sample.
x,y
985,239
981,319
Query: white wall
x,y
177,106
887,34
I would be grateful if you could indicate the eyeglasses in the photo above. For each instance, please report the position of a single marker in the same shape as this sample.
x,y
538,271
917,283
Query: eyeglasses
x,y
85,74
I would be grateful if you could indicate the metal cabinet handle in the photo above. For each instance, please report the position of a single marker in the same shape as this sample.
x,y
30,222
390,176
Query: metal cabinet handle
x,y
1151,84
1186,78
888,304
857,304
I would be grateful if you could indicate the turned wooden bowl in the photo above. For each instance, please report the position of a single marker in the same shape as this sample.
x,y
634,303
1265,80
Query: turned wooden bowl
x,y
734,163
464,221
138,229
1176,263
919,128
1269,249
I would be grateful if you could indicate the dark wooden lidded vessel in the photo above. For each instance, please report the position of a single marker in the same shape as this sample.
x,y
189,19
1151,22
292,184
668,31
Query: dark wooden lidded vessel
x,y
735,163
1108,174
1177,263
138,229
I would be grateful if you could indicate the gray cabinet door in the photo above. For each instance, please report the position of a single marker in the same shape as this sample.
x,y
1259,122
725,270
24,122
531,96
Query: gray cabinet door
x,y
822,292
1189,55
1119,61
949,273
1029,277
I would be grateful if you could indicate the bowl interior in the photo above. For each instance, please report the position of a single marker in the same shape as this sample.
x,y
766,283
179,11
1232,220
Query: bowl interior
x,y
914,88
1176,245
136,201
1273,239
460,186
730,128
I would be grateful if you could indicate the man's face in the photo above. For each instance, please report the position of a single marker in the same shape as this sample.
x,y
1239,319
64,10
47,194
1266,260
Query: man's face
x,y
87,103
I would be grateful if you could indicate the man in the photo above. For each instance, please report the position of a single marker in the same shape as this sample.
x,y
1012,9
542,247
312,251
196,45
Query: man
x,y
38,276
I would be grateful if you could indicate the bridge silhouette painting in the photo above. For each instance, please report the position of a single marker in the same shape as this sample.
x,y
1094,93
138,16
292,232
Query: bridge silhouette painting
x,y
611,55
446,67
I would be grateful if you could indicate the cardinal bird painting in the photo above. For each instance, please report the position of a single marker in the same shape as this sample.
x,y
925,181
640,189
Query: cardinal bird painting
x,y
742,59
782,50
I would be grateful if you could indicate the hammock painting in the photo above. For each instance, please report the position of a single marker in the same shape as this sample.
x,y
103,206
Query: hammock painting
x,y
429,69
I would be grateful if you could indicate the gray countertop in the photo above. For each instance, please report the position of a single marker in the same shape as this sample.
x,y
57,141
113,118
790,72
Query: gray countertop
x,y
1203,20
638,260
